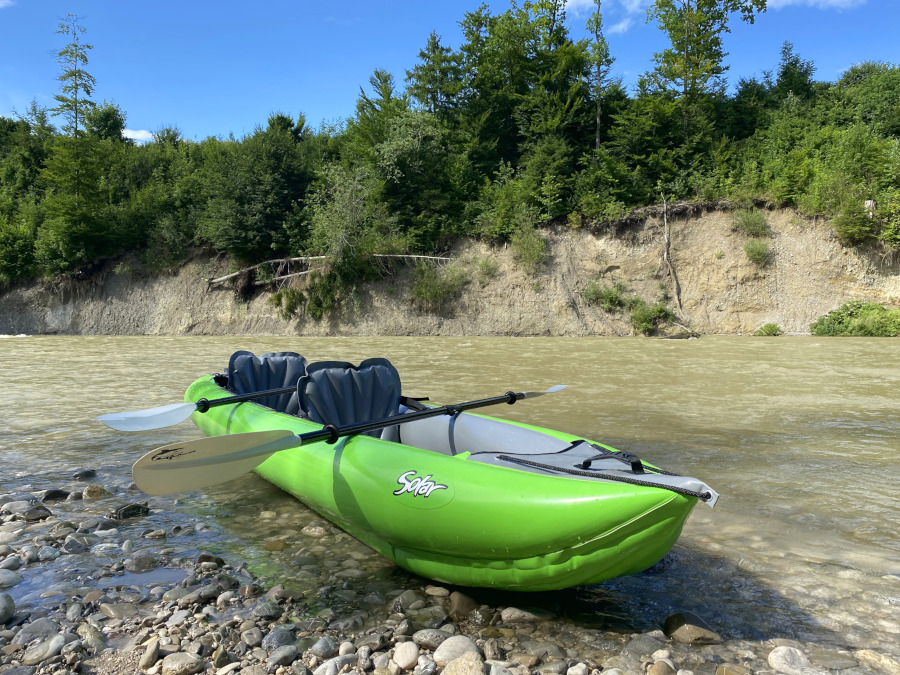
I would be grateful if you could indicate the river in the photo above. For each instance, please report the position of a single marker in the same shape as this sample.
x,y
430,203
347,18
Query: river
x,y
799,436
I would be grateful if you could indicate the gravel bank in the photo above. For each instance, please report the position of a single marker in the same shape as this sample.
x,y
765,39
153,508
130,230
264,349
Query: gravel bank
x,y
87,587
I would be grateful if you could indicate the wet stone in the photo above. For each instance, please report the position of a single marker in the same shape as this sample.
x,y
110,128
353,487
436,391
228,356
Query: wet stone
x,y
265,609
54,496
788,660
325,648
43,650
252,637
280,637
689,629
7,607
95,492
11,563
430,638
129,511
141,563
282,656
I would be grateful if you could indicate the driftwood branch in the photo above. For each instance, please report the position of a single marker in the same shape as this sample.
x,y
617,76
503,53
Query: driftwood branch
x,y
411,257
668,258
287,276
304,258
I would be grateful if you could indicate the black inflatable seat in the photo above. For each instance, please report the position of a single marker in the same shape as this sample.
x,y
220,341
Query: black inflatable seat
x,y
274,370
339,393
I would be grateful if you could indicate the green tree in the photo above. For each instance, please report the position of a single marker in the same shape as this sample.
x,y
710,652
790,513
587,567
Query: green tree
x,y
105,122
77,84
436,81
601,64
694,64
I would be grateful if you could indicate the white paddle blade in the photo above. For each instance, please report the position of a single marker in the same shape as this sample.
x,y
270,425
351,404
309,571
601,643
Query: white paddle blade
x,y
191,465
551,390
151,418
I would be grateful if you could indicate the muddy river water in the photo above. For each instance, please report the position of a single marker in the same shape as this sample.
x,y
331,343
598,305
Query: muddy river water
x,y
800,436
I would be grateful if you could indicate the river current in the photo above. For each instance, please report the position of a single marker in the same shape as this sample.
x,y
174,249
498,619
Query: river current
x,y
798,435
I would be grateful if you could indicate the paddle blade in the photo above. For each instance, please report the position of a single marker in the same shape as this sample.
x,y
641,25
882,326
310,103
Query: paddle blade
x,y
151,418
551,390
191,465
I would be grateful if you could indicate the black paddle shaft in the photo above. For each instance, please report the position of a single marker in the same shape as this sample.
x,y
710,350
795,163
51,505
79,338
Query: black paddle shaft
x,y
331,433
205,404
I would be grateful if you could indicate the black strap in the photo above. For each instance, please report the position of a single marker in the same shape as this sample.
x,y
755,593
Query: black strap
x,y
414,403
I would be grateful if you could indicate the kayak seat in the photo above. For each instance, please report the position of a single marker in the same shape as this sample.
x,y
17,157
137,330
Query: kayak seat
x,y
339,393
248,373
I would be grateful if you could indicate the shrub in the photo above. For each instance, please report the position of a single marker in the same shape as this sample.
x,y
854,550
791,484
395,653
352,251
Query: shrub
x,y
751,222
757,251
528,247
289,302
487,270
769,330
646,319
611,299
433,286
860,319
853,224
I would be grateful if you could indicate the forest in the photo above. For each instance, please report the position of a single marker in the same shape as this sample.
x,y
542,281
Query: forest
x,y
518,128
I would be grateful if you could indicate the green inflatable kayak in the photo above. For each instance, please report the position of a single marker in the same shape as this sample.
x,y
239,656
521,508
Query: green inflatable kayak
x,y
459,498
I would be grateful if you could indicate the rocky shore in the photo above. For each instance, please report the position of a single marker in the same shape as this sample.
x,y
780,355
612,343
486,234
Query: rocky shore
x,y
87,587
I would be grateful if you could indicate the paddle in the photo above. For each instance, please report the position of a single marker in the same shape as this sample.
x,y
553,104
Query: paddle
x,y
191,465
170,415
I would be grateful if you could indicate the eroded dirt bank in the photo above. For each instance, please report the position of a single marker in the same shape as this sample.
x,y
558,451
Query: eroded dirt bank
x,y
722,292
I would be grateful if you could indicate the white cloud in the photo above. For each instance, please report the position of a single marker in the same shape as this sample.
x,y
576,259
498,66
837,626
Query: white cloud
x,y
636,6
818,4
140,136
6,3
620,26
577,7
584,7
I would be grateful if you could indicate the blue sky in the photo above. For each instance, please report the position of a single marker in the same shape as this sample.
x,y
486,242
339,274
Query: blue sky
x,y
220,68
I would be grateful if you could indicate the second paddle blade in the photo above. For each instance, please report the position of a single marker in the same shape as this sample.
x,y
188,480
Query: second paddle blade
x,y
151,418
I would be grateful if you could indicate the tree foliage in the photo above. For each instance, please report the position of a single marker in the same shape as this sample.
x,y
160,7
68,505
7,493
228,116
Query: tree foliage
x,y
517,126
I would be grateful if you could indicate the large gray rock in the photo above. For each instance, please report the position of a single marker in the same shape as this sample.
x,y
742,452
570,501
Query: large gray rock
x,y
43,650
452,648
8,578
39,629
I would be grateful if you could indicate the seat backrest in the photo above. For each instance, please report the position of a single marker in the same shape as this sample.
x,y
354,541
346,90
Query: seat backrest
x,y
248,373
339,393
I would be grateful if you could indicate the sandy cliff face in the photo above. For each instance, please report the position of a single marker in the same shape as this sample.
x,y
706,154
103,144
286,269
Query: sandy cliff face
x,y
722,292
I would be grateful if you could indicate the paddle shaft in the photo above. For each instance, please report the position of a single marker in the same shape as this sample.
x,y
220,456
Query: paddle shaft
x,y
178,467
330,433
205,404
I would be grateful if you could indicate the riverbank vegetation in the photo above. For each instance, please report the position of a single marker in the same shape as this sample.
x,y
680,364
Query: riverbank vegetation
x,y
858,319
517,127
